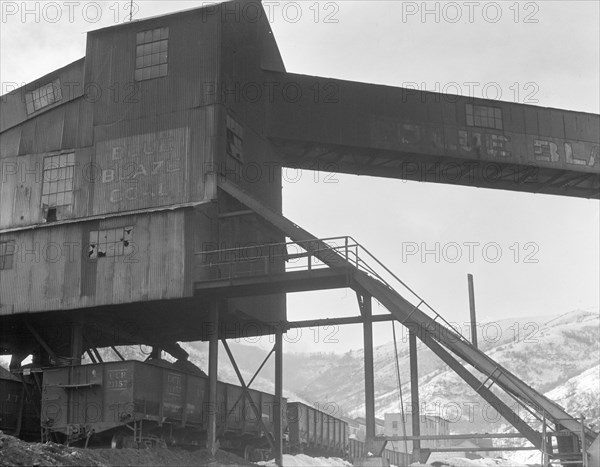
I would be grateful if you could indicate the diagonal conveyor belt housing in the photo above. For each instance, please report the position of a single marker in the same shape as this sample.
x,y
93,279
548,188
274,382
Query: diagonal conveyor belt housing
x,y
430,332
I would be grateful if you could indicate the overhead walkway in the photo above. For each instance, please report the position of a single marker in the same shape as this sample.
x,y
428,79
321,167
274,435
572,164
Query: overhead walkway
x,y
369,276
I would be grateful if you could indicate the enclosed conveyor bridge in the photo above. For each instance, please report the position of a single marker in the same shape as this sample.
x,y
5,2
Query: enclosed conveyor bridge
x,y
365,129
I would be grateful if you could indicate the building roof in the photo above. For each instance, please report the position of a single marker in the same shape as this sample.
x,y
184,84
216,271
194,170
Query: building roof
x,y
187,11
363,421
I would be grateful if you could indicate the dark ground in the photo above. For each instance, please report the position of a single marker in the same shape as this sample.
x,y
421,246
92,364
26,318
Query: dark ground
x,y
16,452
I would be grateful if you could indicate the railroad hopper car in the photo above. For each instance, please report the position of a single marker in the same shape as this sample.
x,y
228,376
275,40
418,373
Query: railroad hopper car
x,y
356,450
18,412
314,432
132,403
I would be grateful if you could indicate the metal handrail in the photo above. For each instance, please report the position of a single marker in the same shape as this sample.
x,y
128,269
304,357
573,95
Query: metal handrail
x,y
349,252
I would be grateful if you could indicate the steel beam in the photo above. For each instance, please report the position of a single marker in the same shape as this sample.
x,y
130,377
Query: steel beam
x,y
309,323
365,304
278,408
444,437
472,310
503,409
213,364
404,311
414,396
485,449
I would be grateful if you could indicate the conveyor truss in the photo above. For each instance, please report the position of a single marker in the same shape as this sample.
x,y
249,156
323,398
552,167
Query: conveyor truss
x,y
342,257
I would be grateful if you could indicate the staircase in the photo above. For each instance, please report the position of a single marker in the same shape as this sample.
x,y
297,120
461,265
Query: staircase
x,y
371,277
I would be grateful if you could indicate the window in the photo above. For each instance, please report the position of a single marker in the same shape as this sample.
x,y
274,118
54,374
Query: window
x,y
395,425
151,53
57,189
43,96
484,116
234,138
110,243
7,254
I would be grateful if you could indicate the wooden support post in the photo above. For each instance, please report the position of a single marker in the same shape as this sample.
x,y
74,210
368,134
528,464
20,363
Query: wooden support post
x,y
367,314
213,355
414,395
277,410
472,310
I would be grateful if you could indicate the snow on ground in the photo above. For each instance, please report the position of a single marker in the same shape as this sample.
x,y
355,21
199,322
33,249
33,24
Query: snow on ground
x,y
302,460
464,462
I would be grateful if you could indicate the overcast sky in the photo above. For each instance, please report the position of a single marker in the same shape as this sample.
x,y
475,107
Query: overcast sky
x,y
533,52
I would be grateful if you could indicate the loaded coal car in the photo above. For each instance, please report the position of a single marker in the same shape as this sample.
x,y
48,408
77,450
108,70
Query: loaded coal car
x,y
356,451
314,432
153,403
19,415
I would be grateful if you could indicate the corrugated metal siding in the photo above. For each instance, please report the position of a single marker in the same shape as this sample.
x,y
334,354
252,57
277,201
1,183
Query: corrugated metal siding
x,y
13,110
193,64
138,164
52,270
245,46
182,107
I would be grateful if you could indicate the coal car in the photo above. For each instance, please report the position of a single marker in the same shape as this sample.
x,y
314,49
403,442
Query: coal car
x,y
133,403
18,410
316,432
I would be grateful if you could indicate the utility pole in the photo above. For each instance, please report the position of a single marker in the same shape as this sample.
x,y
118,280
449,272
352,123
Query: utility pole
x,y
472,310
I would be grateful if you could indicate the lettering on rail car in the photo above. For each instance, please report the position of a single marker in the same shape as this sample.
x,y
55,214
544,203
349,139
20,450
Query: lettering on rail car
x,y
118,379
174,384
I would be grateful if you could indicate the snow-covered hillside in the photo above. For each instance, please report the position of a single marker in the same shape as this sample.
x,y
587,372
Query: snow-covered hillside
x,y
552,354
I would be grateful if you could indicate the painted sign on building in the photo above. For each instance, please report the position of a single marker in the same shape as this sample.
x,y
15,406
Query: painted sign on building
x,y
141,171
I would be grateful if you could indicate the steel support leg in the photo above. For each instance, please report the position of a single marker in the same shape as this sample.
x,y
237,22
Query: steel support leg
x,y
472,310
414,396
213,355
278,413
366,312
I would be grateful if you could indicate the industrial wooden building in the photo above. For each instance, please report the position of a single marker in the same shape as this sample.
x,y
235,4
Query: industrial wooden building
x,y
109,192
141,196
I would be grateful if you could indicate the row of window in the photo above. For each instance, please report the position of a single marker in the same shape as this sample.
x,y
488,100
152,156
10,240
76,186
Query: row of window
x,y
59,171
151,57
151,61
102,244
